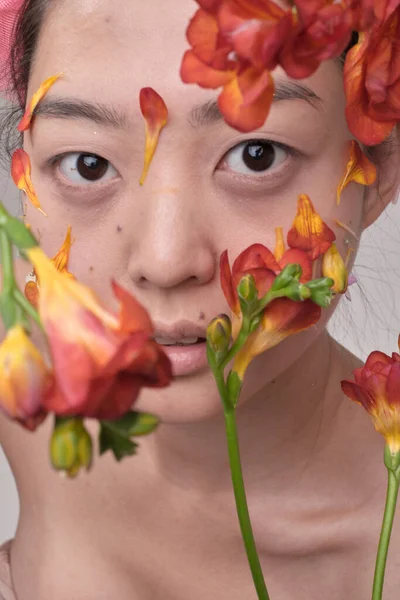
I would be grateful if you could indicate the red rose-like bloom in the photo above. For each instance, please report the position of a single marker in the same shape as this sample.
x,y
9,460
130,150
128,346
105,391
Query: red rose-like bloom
x,y
372,82
377,389
100,360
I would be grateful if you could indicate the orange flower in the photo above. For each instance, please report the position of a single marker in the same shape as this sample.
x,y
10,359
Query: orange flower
x,y
100,359
372,82
21,174
36,98
155,113
323,31
282,317
24,379
60,262
359,169
309,232
377,389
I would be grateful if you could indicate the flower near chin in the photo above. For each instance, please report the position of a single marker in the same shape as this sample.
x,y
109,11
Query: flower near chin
x,y
282,317
334,266
309,232
21,174
372,81
359,169
26,120
25,379
234,45
60,261
376,387
155,113
101,360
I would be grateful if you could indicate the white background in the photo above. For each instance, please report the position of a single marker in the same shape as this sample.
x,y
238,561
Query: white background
x,y
369,322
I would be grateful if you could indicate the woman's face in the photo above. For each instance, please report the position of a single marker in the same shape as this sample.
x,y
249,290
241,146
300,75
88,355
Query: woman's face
x,y
204,192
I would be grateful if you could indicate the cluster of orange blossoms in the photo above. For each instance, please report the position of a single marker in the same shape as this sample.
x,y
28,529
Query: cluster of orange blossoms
x,y
235,44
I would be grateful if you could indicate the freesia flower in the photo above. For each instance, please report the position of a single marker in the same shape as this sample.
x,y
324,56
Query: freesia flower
x,y
36,98
21,174
155,113
60,261
372,82
334,266
376,387
309,232
25,379
100,359
359,169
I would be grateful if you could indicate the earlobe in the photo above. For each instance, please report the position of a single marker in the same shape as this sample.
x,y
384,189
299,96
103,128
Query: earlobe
x,y
385,190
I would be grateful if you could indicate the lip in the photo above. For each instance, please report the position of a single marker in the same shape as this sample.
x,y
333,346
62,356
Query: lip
x,y
185,360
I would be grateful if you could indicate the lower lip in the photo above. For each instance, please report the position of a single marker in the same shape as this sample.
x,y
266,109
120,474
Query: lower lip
x,y
187,359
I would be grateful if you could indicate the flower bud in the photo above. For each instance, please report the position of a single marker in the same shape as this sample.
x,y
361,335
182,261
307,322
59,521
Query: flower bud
x,y
333,266
289,274
247,290
144,424
219,333
70,446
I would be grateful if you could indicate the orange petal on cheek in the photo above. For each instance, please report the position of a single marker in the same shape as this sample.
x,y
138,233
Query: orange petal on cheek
x,y
61,259
32,293
280,244
26,120
155,113
309,232
21,174
246,100
359,169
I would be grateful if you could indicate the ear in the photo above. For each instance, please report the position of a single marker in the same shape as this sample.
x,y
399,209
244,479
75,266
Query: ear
x,y
387,186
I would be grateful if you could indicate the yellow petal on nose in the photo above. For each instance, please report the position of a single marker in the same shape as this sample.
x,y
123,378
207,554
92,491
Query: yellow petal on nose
x,y
21,174
359,169
26,120
155,113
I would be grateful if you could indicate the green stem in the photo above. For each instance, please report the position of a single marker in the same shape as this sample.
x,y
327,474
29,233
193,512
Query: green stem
x,y
27,307
7,262
241,504
390,509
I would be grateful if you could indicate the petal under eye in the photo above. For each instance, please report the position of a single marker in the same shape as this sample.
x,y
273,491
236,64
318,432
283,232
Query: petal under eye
x,y
255,156
84,169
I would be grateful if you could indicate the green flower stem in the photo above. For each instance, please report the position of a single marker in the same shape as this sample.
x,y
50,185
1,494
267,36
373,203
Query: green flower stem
x,y
241,504
387,525
27,307
7,262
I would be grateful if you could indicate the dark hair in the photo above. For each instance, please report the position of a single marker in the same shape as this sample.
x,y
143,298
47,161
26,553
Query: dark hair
x,y
26,37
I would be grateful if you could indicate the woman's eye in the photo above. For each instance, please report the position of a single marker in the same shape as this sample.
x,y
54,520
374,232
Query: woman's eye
x,y
84,169
255,156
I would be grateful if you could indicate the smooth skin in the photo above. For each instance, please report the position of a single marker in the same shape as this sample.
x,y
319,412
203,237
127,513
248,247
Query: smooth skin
x,y
163,525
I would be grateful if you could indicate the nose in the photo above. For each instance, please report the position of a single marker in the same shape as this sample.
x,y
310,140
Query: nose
x,y
173,245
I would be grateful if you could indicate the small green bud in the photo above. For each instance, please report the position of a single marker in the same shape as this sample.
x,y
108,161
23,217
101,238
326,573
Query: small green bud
x,y
71,446
290,274
247,290
143,425
321,291
19,234
219,333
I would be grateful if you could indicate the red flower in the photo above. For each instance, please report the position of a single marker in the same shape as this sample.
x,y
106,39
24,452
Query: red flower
x,y
309,232
323,31
377,389
372,82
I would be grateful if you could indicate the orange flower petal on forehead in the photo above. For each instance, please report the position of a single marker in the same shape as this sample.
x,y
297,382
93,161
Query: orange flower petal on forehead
x,y
21,174
155,113
359,169
26,120
309,232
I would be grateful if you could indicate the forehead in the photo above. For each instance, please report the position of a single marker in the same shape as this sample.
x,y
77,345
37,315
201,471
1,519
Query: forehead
x,y
110,49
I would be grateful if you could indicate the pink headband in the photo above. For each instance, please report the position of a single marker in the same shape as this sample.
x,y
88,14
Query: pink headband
x,y
8,15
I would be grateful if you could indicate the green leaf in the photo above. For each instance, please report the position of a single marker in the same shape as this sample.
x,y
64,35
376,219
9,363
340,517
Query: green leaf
x,y
19,234
116,439
8,310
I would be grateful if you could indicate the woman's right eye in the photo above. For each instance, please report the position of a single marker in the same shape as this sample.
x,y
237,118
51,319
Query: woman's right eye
x,y
85,168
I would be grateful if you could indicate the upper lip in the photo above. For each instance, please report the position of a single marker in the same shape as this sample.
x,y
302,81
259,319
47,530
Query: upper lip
x,y
179,331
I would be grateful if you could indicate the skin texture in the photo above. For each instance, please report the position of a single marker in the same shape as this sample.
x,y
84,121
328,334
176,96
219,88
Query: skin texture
x,y
163,524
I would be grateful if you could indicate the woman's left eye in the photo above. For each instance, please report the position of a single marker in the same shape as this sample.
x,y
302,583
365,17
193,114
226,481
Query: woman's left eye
x,y
81,168
255,156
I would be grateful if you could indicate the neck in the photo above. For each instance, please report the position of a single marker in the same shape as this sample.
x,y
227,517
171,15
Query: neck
x,y
284,420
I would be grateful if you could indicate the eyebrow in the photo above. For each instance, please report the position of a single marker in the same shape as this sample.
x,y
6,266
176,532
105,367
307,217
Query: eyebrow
x,y
200,115
209,113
